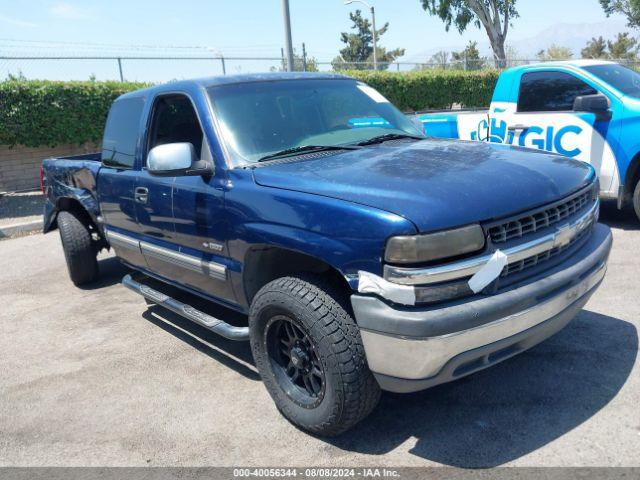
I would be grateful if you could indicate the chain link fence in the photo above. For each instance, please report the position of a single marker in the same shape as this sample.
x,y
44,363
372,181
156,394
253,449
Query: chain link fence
x,y
167,68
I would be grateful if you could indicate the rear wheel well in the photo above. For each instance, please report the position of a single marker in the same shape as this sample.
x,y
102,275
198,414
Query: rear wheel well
x,y
72,205
264,264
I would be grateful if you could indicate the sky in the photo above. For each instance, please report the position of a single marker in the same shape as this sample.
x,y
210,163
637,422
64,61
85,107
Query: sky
x,y
251,28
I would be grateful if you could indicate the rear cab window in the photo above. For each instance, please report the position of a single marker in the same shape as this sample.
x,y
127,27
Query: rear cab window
x,y
121,133
550,91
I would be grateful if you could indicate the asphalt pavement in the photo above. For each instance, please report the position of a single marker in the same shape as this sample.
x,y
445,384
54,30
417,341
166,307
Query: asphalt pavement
x,y
93,377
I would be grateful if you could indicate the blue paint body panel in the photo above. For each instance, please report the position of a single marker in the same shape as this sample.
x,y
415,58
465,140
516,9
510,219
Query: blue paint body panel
x,y
440,125
340,208
436,184
73,179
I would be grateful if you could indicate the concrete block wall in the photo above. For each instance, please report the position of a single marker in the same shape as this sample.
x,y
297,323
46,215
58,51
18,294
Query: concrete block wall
x,y
20,165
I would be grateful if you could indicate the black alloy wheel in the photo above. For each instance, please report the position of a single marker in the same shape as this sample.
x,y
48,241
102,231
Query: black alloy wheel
x,y
295,362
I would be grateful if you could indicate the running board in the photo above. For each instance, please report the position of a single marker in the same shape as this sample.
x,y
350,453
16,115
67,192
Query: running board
x,y
187,311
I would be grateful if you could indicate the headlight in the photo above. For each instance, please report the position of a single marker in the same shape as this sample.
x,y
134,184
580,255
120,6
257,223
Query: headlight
x,y
434,246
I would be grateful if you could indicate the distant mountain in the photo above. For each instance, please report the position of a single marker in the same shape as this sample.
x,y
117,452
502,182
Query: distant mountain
x,y
572,35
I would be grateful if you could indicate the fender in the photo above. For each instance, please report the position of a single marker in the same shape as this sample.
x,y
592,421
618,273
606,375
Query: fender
x,y
73,182
318,250
323,248
356,240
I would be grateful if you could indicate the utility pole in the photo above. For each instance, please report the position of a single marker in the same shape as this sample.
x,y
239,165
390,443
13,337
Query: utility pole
x,y
375,39
120,69
304,58
287,34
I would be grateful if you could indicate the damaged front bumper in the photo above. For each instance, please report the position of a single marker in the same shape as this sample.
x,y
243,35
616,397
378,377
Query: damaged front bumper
x,y
410,349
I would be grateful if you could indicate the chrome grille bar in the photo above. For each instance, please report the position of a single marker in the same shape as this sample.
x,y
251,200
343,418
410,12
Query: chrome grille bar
x,y
533,221
562,236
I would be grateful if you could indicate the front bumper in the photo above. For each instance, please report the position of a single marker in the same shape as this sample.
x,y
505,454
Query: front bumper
x,y
410,349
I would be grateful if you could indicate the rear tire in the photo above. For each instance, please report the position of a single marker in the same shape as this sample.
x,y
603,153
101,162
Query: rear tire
x,y
79,249
636,199
308,350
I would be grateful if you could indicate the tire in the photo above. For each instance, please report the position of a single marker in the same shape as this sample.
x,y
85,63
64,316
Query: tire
x,y
79,249
311,308
636,199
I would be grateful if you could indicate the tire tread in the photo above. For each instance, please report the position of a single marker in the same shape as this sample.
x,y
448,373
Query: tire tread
x,y
79,250
360,393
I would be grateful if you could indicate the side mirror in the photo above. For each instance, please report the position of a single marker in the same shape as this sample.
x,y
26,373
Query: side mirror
x,y
176,159
598,104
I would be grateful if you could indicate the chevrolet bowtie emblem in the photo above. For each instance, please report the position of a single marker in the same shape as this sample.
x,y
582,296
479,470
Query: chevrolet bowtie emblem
x,y
564,235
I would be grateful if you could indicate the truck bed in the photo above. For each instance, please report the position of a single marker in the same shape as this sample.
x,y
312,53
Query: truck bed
x,y
450,123
71,178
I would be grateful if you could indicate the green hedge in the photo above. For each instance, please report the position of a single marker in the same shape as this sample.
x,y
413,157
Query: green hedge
x,y
35,113
434,89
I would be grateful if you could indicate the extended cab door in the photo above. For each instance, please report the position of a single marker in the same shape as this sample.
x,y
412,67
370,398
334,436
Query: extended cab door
x,y
154,196
183,216
117,178
544,119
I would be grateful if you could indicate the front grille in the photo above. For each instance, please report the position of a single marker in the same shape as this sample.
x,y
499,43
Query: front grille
x,y
536,220
542,257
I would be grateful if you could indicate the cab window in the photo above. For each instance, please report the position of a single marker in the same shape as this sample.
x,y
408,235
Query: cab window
x,y
174,120
550,91
121,133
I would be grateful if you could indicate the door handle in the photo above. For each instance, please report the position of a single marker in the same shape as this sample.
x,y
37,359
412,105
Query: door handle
x,y
141,195
517,127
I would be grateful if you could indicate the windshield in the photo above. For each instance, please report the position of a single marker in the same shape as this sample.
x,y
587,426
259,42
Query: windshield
x,y
619,77
258,119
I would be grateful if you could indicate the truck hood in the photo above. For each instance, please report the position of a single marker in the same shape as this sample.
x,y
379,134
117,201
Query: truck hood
x,y
435,183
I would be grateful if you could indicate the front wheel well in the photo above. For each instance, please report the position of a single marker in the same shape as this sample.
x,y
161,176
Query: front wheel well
x,y
632,177
266,263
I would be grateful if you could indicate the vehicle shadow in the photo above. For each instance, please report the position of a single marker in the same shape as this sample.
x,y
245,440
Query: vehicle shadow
x,y
512,409
624,219
232,354
111,272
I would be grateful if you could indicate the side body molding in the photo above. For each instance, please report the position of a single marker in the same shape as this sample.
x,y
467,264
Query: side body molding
x,y
120,241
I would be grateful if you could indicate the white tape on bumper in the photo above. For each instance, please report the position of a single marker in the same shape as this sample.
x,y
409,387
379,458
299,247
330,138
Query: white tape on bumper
x,y
489,272
370,283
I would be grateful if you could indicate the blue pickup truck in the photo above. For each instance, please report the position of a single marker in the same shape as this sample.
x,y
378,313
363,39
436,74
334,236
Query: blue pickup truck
x,y
364,255
584,109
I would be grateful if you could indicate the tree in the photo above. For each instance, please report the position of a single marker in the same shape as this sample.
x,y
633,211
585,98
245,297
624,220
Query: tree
x,y
298,64
512,54
312,64
358,50
623,47
555,52
19,77
440,58
494,15
595,48
628,8
469,58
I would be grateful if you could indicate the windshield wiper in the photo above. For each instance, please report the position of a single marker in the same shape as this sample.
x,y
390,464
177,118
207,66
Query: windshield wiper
x,y
386,137
304,149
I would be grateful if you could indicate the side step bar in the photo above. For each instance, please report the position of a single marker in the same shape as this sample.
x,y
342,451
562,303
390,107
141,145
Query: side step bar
x,y
187,311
